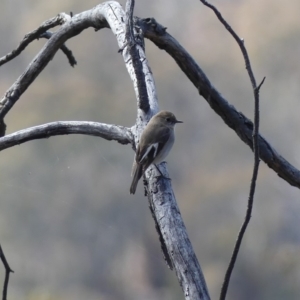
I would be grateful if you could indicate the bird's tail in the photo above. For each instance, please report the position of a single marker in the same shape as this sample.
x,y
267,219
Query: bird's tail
x,y
137,174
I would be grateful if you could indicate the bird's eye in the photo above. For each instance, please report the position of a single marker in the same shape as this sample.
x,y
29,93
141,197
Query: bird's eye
x,y
168,119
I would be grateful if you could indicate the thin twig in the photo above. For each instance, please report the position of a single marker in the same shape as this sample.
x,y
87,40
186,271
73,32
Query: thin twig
x,y
72,61
255,137
33,35
247,217
238,40
8,270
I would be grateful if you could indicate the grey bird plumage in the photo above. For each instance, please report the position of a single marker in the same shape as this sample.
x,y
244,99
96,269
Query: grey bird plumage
x,y
155,143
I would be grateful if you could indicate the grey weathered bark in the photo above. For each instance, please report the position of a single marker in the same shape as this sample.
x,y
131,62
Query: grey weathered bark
x,y
109,132
160,193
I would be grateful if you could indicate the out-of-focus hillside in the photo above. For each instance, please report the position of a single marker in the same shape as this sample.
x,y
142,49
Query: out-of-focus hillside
x,y
68,225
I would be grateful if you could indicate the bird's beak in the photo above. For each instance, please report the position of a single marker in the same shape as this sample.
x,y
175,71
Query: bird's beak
x,y
177,121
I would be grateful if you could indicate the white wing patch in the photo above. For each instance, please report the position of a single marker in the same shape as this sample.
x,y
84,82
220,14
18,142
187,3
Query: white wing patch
x,y
155,146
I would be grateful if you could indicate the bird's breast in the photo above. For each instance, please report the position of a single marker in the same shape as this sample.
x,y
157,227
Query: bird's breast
x,y
165,149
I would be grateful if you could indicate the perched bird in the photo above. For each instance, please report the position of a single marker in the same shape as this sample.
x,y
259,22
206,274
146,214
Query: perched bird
x,y
155,143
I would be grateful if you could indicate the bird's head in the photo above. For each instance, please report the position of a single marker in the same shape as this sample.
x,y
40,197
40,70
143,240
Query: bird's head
x,y
167,118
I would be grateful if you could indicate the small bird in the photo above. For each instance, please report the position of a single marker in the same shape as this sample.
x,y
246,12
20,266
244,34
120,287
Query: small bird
x,y
155,143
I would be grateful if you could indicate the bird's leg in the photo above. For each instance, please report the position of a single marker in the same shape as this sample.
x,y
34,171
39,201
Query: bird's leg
x,y
161,174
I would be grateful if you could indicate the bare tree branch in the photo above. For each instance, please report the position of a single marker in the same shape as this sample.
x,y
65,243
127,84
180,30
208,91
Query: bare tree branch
x,y
71,27
163,245
110,14
234,119
174,234
109,132
160,193
35,34
142,99
8,270
239,41
72,61
243,229
132,46
250,198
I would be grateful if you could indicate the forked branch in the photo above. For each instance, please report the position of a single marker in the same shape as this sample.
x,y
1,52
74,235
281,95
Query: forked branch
x,y
72,61
35,34
8,270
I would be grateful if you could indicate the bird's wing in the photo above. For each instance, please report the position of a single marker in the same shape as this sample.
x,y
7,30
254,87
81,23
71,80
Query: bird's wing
x,y
154,145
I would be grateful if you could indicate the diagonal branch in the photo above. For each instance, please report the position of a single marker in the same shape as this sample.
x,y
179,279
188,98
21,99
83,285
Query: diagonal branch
x,y
35,34
234,119
109,132
132,47
160,194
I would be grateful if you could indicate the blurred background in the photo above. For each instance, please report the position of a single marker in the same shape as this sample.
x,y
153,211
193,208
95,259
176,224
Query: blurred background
x,y
68,225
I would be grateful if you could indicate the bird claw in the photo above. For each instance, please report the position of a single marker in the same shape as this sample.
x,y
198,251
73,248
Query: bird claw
x,y
158,177
161,174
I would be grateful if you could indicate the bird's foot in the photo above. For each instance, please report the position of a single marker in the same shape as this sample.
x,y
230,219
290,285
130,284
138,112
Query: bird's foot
x,y
161,174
